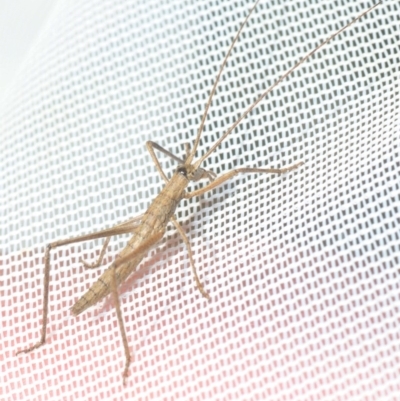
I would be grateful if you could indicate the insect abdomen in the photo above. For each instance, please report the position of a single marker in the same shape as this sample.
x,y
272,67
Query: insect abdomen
x,y
102,287
154,221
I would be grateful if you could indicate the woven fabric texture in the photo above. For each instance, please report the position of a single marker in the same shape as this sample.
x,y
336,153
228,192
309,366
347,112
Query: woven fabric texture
x,y
302,269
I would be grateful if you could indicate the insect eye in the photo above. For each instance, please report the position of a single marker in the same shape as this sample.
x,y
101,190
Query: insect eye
x,y
182,170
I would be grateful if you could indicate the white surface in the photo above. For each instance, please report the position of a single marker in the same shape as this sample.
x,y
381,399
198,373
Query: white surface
x,y
21,22
302,269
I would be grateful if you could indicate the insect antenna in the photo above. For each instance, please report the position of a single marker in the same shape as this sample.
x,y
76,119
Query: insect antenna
x,y
203,119
258,100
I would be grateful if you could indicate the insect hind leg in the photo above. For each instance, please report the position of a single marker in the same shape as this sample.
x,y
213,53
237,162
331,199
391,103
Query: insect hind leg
x,y
122,228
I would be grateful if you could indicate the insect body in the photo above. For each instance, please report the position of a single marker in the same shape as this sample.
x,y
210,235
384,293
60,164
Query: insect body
x,y
150,227
150,230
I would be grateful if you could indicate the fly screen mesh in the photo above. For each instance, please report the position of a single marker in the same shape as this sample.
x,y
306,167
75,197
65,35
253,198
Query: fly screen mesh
x,y
302,269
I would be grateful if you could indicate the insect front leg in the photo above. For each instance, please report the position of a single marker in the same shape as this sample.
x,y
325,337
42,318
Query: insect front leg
x,y
119,229
187,243
150,147
230,174
200,173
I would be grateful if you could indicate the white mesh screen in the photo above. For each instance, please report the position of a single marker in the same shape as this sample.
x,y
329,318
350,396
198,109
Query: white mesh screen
x,y
302,269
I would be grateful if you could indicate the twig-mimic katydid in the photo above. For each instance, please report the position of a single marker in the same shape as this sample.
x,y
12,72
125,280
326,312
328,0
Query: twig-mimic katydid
x,y
150,227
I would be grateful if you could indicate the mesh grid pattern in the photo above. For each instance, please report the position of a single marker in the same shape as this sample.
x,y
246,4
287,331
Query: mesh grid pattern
x,y
302,269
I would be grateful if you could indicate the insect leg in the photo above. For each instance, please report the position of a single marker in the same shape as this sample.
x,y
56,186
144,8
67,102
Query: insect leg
x,y
230,174
131,223
187,243
117,304
187,150
152,145
120,229
144,247
97,263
